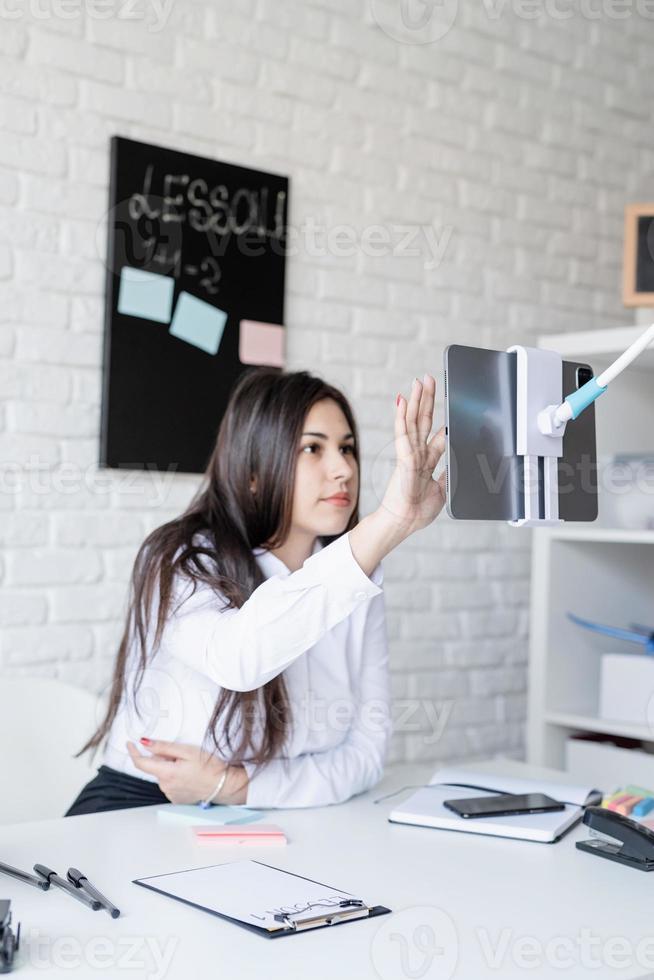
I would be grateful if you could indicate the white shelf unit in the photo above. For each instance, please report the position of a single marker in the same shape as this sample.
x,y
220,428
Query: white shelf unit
x,y
599,572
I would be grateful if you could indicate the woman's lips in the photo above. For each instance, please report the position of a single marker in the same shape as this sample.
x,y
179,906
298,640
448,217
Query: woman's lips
x,y
338,500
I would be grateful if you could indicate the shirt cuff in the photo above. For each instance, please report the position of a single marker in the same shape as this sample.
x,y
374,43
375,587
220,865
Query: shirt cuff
x,y
337,566
264,788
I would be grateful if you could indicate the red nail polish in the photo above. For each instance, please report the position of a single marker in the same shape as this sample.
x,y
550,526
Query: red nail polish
x,y
146,741
397,400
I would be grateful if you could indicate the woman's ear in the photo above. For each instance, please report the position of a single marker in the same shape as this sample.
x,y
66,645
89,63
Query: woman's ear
x,y
253,484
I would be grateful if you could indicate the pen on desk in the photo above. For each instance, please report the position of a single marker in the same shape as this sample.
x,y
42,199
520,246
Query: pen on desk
x,y
65,886
24,876
79,880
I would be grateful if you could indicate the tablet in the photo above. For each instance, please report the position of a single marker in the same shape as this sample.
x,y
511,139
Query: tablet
x,y
484,472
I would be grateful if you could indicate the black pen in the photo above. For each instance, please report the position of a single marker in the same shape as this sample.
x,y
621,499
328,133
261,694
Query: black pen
x,y
65,886
76,878
24,876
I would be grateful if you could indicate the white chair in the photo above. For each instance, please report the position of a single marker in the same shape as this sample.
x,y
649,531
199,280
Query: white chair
x,y
43,722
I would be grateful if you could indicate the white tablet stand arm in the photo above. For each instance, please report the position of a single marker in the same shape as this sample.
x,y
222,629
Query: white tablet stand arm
x,y
542,415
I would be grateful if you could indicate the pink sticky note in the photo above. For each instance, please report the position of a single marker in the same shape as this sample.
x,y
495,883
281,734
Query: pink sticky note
x,y
261,343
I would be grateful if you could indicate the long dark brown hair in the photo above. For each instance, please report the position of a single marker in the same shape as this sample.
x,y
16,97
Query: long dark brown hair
x,y
258,438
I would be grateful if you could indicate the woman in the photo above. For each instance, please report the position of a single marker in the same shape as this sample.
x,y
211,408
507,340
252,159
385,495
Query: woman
x,y
253,667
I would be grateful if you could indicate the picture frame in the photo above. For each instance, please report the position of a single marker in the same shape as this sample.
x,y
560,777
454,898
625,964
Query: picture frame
x,y
638,262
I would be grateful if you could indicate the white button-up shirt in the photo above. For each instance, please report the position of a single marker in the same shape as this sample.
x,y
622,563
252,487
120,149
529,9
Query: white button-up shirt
x,y
324,627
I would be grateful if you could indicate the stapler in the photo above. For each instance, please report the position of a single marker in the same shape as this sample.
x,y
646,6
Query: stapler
x,y
8,942
630,844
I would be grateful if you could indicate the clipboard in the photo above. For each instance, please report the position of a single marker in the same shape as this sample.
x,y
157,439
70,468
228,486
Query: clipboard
x,y
304,903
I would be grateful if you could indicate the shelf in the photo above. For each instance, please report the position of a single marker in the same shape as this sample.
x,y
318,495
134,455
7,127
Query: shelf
x,y
599,345
601,571
600,535
591,723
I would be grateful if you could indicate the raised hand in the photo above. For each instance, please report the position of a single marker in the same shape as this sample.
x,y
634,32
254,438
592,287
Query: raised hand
x,y
413,497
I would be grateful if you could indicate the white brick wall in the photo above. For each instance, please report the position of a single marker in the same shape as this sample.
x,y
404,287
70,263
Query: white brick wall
x,y
514,141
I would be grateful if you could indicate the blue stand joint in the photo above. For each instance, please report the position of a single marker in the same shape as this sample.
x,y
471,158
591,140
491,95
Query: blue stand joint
x,y
585,396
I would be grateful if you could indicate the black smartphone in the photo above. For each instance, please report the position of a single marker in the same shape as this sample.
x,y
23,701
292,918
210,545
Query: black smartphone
x,y
504,806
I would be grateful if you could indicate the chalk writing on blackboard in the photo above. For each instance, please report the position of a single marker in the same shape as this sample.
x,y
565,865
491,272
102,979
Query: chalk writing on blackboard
x,y
216,212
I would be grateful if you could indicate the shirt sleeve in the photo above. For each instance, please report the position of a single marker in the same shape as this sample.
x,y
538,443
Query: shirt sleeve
x,y
242,649
333,776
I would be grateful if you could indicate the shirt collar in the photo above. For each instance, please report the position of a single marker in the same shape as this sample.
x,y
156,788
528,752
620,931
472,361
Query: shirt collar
x,y
272,565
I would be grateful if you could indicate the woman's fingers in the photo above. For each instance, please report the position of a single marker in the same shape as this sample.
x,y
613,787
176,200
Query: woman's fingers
x,y
155,767
412,410
414,419
426,409
170,750
402,441
436,447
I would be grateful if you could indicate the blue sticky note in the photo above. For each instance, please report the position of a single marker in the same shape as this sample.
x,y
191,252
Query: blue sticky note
x,y
145,294
198,323
189,813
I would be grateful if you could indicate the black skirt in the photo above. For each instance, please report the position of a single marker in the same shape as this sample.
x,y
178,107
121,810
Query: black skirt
x,y
114,790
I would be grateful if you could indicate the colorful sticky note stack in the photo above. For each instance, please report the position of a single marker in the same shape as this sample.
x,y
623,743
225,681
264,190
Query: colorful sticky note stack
x,y
632,801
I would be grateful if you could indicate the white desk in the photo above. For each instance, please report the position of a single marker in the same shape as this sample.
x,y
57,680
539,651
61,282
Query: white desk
x,y
486,901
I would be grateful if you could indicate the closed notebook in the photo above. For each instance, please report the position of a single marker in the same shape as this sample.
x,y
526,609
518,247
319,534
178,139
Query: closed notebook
x,y
256,835
425,808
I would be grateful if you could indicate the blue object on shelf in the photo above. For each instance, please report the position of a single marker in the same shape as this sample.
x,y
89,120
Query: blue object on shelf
x,y
638,635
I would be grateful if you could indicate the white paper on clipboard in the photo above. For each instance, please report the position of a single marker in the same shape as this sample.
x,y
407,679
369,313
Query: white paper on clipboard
x,y
249,891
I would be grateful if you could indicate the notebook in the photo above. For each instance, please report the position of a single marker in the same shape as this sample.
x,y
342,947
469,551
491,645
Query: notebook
x,y
268,900
425,808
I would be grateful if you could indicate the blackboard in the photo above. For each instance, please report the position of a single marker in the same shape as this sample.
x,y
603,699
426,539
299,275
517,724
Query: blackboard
x,y
195,256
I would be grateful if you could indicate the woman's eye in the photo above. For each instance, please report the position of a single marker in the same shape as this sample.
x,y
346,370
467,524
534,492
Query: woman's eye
x,y
311,447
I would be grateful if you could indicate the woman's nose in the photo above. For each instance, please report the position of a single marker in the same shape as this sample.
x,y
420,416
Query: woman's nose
x,y
340,467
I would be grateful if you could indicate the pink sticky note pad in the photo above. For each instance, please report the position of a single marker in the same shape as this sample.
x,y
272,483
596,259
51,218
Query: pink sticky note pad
x,y
261,343
255,834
